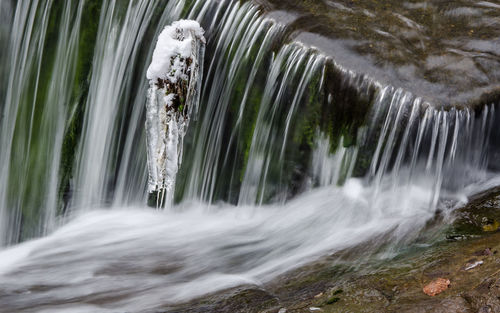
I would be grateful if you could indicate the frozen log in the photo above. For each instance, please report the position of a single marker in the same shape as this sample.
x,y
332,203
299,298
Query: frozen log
x,y
175,76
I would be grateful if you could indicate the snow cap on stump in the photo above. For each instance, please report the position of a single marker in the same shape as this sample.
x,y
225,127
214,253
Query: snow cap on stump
x,y
174,42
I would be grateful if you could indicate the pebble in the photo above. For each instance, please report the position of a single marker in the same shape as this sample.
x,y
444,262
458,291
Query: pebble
x,y
436,286
470,266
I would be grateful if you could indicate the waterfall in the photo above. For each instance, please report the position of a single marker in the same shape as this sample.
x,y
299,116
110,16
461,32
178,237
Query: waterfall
x,y
246,39
119,38
290,157
276,118
39,97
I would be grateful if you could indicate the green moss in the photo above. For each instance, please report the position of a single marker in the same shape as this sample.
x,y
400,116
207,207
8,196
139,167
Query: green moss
x,y
188,6
332,300
477,219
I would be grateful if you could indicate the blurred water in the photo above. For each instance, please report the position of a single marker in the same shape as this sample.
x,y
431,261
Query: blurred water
x,y
277,171
135,259
275,119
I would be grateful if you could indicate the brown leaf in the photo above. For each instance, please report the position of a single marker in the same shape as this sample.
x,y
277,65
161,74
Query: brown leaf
x,y
436,286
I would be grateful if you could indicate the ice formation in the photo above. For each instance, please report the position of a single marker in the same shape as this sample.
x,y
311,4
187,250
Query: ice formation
x,y
175,79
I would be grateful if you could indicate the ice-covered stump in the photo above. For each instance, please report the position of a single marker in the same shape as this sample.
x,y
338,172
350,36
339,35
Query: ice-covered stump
x,y
174,77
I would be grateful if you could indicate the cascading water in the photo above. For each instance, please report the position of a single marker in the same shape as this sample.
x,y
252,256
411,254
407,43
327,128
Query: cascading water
x,y
39,98
306,156
119,38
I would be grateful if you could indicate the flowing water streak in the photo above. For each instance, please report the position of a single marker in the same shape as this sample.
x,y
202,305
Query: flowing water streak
x,y
6,14
35,113
266,136
119,39
446,149
243,30
59,92
22,54
327,167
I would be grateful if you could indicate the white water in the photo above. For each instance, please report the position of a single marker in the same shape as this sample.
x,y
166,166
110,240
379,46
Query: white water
x,y
135,259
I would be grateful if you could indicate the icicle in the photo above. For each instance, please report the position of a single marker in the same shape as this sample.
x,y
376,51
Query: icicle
x,y
175,82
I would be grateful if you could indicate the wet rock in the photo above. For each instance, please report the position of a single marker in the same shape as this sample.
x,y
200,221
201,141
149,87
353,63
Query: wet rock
x,y
451,305
436,286
445,51
477,218
485,297
241,299
437,274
